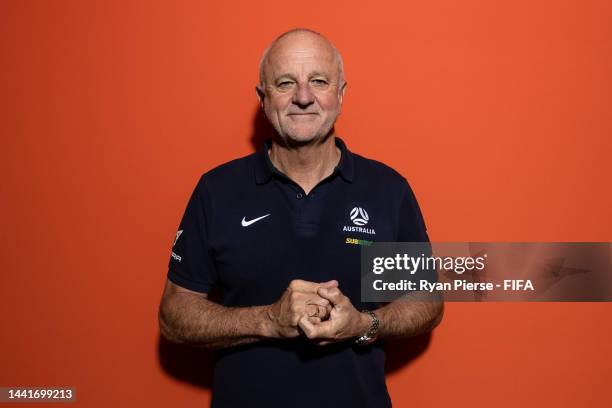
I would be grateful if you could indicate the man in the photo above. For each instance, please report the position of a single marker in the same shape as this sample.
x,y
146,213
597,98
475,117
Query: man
x,y
275,232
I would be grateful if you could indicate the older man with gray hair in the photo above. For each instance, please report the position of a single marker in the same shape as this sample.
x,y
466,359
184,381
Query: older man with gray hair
x,y
278,233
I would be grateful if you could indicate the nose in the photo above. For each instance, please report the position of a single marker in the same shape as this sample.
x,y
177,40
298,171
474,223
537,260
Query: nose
x,y
303,96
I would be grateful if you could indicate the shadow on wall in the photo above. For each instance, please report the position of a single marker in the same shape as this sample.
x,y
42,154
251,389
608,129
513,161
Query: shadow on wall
x,y
262,129
402,352
194,365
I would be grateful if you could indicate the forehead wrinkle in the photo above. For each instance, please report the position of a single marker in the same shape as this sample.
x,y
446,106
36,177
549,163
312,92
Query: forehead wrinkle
x,y
302,45
300,63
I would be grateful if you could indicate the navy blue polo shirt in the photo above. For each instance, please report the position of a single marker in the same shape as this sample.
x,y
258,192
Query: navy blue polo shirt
x,y
249,230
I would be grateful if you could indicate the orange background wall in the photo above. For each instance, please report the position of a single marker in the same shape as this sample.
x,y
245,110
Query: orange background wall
x,y
498,113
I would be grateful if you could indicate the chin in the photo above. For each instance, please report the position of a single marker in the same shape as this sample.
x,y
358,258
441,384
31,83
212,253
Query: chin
x,y
302,136
305,136
304,139
299,136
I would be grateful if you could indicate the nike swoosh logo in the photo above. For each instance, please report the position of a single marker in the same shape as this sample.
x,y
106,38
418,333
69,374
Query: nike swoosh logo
x,y
246,223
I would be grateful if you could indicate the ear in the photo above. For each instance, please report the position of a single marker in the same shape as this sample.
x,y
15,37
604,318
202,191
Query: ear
x,y
341,93
261,95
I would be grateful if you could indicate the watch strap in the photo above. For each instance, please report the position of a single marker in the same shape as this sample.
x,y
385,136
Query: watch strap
x,y
370,335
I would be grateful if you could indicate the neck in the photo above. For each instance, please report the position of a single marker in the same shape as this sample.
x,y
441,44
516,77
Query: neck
x,y
308,164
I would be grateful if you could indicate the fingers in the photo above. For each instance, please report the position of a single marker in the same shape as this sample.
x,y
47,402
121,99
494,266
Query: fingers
x,y
299,300
314,320
311,287
321,312
307,326
302,299
311,311
313,330
300,295
302,305
300,285
319,301
333,295
329,284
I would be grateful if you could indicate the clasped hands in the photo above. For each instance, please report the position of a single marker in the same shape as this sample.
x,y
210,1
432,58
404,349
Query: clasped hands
x,y
318,310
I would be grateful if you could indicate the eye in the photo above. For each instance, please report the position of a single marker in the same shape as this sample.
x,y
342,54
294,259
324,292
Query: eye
x,y
319,82
284,85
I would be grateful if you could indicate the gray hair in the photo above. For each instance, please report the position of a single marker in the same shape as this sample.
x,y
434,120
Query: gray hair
x,y
264,56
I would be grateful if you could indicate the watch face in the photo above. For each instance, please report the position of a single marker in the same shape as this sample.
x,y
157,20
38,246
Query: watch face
x,y
364,340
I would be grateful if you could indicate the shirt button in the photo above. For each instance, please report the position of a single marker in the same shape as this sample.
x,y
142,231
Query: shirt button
x,y
299,196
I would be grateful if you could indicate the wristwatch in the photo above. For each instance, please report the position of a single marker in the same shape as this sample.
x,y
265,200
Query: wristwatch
x,y
370,335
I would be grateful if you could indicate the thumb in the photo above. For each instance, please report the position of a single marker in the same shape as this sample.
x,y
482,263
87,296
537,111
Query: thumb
x,y
329,284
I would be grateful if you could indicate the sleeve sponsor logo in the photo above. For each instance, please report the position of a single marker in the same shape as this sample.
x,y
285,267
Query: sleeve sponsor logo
x,y
174,255
178,234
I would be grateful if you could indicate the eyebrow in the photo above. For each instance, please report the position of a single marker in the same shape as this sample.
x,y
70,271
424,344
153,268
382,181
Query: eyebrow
x,y
283,76
317,73
292,77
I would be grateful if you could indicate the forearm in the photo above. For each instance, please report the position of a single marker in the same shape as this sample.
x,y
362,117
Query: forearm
x,y
409,317
191,319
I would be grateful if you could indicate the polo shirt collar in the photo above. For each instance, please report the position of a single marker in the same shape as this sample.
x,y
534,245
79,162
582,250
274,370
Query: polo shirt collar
x,y
264,169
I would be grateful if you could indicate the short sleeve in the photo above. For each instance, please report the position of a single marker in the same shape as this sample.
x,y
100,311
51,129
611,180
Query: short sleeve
x,y
191,263
412,229
411,224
